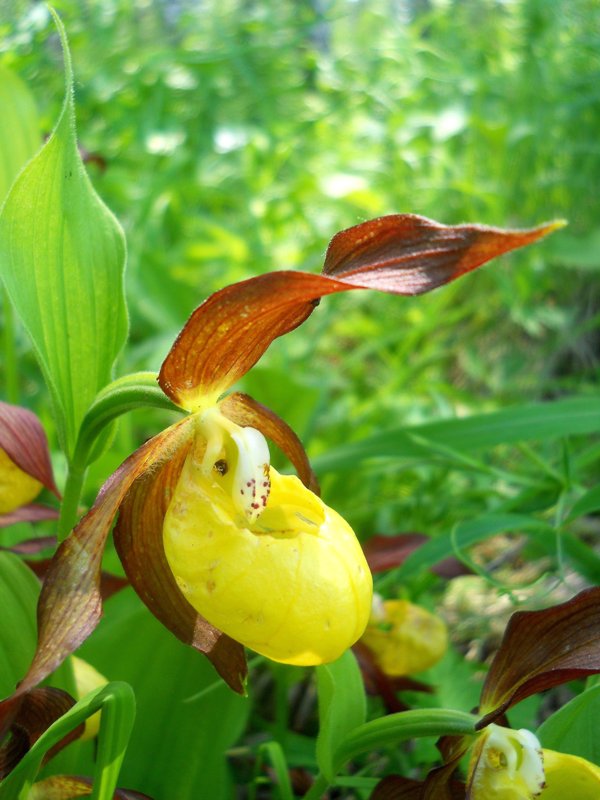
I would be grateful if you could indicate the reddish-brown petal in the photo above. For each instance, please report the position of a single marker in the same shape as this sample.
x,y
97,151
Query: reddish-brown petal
x,y
30,547
542,649
408,254
395,787
378,683
24,440
109,584
387,552
37,711
70,604
138,537
243,410
67,787
33,512
402,254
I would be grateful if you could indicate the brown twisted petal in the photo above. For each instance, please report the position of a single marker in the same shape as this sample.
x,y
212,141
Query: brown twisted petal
x,y
70,604
401,254
138,538
24,441
32,512
37,711
246,412
542,649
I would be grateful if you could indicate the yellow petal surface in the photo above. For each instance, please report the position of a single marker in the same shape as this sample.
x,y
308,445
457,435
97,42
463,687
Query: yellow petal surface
x,y
405,638
17,488
570,778
87,678
293,585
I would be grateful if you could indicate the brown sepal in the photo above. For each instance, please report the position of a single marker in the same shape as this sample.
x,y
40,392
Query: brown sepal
x,y
395,787
23,439
138,537
30,547
378,683
402,254
387,552
66,787
408,254
70,604
542,649
37,710
244,411
32,512
109,584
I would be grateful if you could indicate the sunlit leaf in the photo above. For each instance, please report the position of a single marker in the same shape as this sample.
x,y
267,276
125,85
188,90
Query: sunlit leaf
x,y
20,134
19,591
542,649
573,728
62,256
401,254
138,538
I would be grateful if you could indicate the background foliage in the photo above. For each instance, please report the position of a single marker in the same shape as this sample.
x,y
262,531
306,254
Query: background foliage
x,y
235,137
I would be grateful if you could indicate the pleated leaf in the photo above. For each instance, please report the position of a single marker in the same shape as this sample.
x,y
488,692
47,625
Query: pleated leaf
x,y
19,128
62,257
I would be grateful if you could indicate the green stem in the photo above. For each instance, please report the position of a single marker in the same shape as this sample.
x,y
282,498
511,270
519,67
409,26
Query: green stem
x,y
10,352
318,789
125,394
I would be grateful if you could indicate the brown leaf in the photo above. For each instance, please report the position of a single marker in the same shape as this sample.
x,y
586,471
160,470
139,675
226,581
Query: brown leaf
x,y
402,254
408,254
37,710
70,604
542,649
66,787
32,512
138,538
244,411
23,438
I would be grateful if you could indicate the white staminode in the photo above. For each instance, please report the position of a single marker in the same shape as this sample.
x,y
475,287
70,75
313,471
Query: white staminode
x,y
516,756
251,483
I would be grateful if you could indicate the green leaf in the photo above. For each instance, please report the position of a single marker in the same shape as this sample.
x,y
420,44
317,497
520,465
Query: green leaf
x,y
187,718
117,703
62,256
19,128
573,728
19,590
588,503
342,707
536,422
465,535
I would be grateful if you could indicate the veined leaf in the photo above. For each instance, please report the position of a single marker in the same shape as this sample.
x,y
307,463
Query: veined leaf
x,y
62,256
573,728
19,128
19,590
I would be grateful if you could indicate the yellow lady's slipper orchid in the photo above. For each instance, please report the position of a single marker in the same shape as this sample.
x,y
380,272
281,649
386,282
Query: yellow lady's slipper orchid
x,y
403,637
260,556
506,765
17,488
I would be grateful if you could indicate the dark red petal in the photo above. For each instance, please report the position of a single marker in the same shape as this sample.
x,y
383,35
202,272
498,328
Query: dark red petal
x,y
401,254
29,513
244,411
70,604
138,538
387,552
37,711
395,787
408,254
542,649
24,440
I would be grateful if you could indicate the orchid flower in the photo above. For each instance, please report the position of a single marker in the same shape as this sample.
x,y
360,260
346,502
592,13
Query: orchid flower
x,y
403,637
224,550
25,467
540,649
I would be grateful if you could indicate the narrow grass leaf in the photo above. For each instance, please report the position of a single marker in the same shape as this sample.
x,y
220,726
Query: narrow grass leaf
x,y
62,257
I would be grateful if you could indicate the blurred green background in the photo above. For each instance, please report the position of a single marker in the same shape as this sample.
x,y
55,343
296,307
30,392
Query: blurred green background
x,y
232,138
